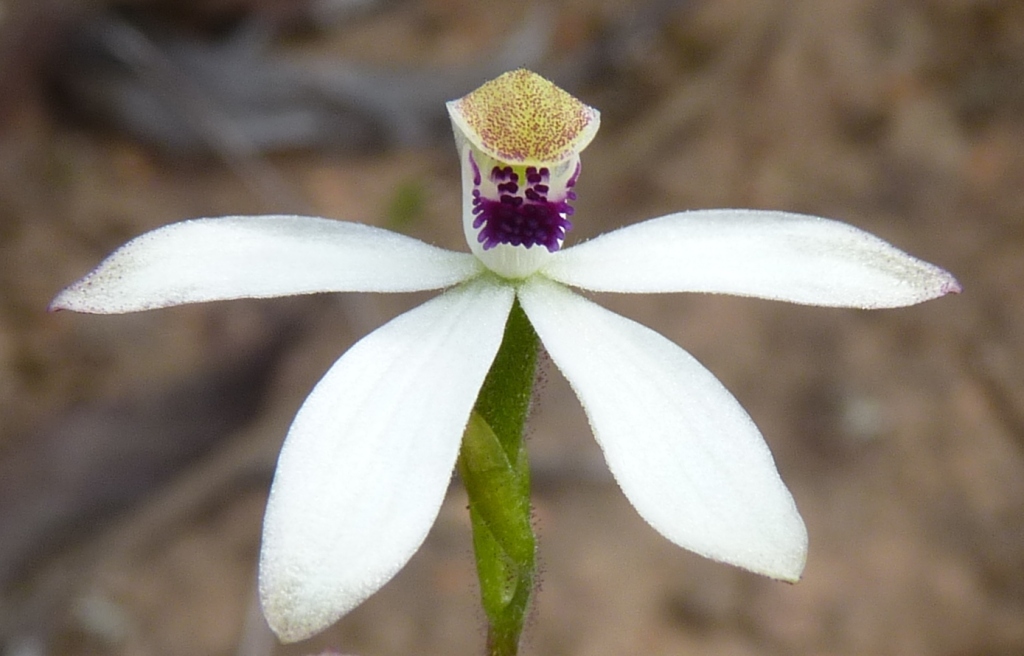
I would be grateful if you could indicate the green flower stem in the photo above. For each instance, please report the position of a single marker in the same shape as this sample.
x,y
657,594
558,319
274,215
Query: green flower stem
x,y
495,471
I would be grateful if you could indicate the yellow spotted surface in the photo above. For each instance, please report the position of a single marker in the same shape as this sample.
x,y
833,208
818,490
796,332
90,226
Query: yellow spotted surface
x,y
520,117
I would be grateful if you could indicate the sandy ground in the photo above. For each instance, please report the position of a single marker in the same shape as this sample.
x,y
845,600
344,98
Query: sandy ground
x,y
900,433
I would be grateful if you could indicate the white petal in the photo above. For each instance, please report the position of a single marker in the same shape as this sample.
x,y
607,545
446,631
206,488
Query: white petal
x,y
774,255
683,450
257,257
369,457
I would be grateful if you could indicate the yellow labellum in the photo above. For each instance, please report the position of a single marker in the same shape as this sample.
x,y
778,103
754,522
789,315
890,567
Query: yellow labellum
x,y
522,118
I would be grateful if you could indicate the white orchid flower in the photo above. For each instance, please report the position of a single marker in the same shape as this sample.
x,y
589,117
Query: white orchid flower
x,y
366,463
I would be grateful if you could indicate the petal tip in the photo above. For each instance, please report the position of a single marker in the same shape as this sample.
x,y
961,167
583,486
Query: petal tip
x,y
793,572
293,610
66,299
950,286
783,561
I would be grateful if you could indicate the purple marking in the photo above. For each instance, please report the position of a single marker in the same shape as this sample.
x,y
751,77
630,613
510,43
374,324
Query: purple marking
x,y
522,216
476,171
574,177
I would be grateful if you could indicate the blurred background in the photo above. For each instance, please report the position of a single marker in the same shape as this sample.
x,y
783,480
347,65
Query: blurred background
x,y
136,450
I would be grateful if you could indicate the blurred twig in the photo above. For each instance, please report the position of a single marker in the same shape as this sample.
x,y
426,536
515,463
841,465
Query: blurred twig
x,y
702,95
174,89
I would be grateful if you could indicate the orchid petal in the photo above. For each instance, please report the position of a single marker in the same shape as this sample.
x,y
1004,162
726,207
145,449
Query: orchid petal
x,y
773,255
258,257
681,448
366,463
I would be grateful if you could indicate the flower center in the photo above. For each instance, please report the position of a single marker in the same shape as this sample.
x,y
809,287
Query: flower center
x,y
515,205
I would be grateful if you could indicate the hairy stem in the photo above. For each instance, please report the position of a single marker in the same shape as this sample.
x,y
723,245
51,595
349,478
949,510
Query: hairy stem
x,y
494,468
